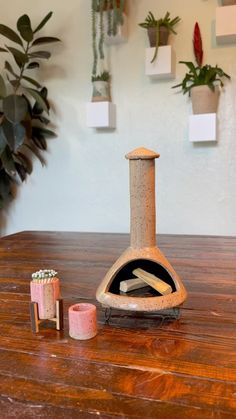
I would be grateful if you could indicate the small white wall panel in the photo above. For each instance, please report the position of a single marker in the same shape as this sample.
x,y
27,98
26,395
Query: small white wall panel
x,y
226,24
101,115
203,127
164,65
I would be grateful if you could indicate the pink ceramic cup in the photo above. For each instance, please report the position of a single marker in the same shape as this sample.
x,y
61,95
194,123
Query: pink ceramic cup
x,y
82,321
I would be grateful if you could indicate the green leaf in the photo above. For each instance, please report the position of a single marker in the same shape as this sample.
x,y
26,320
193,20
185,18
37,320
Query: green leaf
x,y
21,171
14,133
40,54
24,27
35,151
3,141
37,109
24,161
32,81
10,34
9,68
5,187
45,40
8,162
3,90
38,98
20,57
40,142
41,119
44,132
14,108
32,65
44,21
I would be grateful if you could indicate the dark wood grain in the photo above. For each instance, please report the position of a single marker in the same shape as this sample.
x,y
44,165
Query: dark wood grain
x,y
137,366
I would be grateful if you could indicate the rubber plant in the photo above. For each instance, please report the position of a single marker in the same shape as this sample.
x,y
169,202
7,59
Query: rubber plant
x,y
24,106
112,11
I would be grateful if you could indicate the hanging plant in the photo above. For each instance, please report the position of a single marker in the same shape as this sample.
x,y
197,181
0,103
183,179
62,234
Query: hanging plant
x,y
24,104
105,14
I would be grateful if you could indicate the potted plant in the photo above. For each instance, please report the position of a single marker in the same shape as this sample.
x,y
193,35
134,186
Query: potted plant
x,y
101,87
159,29
110,11
24,104
202,83
45,290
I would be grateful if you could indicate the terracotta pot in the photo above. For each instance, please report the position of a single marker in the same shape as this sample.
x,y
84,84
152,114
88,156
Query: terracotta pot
x,y
204,100
101,91
45,294
82,321
228,2
163,36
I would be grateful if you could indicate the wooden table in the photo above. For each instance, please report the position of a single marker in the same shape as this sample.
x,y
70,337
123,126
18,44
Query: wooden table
x,y
136,367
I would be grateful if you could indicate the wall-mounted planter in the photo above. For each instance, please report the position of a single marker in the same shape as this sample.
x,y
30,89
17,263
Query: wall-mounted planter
x,y
122,33
163,36
225,24
163,66
204,100
203,127
101,115
101,91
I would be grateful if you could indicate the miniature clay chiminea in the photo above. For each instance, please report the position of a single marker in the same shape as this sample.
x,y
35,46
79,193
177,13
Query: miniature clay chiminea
x,y
143,255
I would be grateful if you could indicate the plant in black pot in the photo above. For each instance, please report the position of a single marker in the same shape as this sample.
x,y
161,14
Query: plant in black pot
x,y
202,83
159,30
24,103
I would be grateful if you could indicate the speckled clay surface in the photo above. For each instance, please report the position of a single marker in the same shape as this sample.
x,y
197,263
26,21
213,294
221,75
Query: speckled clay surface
x,y
45,295
142,239
82,321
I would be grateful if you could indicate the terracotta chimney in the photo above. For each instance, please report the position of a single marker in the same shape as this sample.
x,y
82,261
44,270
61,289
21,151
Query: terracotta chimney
x,y
143,252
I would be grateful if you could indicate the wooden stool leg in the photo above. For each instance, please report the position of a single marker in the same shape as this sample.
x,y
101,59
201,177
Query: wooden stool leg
x,y
59,314
34,316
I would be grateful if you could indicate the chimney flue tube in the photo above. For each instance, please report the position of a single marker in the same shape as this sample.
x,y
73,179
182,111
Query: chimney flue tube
x,y
142,198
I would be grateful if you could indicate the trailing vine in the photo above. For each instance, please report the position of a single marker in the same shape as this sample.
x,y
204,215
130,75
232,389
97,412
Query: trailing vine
x,y
112,11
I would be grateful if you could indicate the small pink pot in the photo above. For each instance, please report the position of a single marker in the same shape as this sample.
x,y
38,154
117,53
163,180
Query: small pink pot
x,y
45,295
82,321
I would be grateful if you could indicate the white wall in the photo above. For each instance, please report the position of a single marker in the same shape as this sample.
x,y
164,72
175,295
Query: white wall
x,y
85,184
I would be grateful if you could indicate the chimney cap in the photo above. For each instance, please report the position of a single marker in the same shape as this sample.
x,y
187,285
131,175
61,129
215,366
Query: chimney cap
x,y
142,154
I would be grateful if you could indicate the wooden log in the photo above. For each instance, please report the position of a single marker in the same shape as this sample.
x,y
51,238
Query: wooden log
x,y
152,280
132,284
